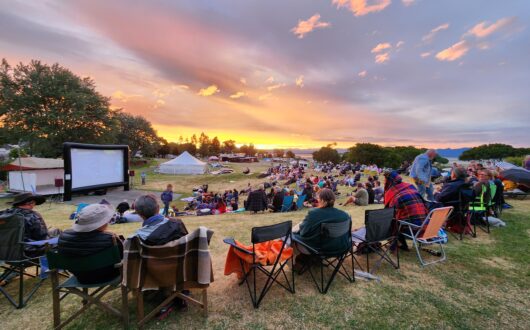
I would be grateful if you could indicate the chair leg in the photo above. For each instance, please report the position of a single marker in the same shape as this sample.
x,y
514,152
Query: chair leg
x,y
205,301
124,307
140,307
56,300
20,287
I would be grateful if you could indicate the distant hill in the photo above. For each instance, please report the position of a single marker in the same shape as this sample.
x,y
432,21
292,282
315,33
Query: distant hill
x,y
451,153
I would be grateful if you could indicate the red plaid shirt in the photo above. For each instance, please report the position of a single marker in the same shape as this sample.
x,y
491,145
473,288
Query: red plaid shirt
x,y
407,201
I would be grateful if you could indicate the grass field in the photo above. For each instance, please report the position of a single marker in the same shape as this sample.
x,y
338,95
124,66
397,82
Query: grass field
x,y
483,284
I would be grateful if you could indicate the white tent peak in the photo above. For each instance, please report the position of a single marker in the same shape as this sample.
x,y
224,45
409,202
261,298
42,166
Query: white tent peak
x,y
185,163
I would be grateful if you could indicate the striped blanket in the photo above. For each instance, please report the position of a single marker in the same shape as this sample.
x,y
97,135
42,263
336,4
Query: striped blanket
x,y
180,264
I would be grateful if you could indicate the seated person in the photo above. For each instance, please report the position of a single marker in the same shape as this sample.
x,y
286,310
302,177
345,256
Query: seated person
x,y
89,236
371,192
277,199
156,229
360,198
451,189
309,229
220,208
257,200
378,192
35,228
234,205
405,199
482,186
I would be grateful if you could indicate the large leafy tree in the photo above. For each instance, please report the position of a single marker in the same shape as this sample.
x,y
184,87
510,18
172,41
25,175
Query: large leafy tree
x,y
327,154
45,106
138,134
493,151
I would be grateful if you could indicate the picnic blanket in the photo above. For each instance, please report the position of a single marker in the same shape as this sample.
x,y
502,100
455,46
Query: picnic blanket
x,y
180,264
266,254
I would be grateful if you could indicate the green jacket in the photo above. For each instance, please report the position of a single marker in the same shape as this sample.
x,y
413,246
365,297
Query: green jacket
x,y
310,230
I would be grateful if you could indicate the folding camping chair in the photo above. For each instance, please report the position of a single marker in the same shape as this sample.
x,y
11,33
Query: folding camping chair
x,y
271,269
427,233
378,236
184,263
105,258
287,204
478,211
15,261
329,231
300,202
458,223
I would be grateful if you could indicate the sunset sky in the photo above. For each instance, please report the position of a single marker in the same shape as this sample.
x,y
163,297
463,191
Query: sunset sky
x,y
295,74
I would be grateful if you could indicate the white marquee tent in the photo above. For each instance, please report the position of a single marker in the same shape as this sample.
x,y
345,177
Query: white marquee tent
x,y
183,164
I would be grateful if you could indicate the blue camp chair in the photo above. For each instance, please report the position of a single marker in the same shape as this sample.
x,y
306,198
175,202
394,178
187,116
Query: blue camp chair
x,y
287,203
300,202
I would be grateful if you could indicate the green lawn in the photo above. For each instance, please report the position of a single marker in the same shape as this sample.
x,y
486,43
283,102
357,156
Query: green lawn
x,y
483,284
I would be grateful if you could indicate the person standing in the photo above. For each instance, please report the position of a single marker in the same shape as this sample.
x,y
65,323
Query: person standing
x,y
167,197
143,175
420,172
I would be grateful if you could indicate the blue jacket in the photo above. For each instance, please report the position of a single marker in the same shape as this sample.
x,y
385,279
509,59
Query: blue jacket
x,y
450,191
167,196
421,168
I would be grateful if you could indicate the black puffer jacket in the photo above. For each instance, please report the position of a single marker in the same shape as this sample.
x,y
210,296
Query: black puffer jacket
x,y
74,244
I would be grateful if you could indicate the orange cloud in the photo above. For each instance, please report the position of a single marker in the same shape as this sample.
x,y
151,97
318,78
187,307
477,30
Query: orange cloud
x,y
382,58
304,27
482,29
361,7
237,95
380,47
430,36
426,54
123,97
273,87
208,91
454,52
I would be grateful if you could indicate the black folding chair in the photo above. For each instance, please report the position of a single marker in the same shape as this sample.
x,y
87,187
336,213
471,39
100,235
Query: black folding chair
x,y
271,271
15,261
329,231
478,211
379,236
105,258
459,222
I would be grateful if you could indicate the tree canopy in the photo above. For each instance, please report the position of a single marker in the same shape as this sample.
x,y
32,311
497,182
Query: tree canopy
x,y
45,106
493,151
327,154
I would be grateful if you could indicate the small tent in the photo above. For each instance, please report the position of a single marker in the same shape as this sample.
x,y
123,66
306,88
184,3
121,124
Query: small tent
x,y
183,164
38,175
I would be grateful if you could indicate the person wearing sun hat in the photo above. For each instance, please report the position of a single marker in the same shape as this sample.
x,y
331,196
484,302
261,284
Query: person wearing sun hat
x,y
89,236
35,228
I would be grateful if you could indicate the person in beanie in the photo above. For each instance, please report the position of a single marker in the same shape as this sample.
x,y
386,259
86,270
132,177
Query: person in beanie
x,y
89,236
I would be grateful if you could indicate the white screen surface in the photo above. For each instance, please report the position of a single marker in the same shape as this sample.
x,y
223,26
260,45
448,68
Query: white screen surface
x,y
92,167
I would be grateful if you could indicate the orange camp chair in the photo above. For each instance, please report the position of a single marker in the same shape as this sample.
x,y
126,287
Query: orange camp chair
x,y
427,233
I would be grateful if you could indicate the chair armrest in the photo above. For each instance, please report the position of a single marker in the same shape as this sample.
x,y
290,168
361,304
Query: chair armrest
x,y
51,241
405,223
232,242
298,241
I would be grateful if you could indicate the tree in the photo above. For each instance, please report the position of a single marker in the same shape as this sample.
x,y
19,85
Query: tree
x,y
215,147
493,151
137,133
290,154
278,153
204,144
249,150
367,153
228,147
326,154
48,105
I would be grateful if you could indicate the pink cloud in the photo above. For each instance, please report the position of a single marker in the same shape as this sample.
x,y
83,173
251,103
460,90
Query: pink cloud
x,y
304,27
454,52
362,7
430,36
380,47
382,58
482,29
